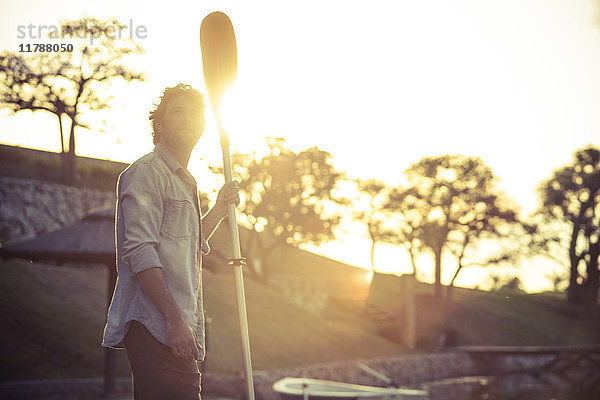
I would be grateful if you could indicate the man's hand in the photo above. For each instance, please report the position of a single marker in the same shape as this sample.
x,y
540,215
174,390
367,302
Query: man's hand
x,y
229,193
184,342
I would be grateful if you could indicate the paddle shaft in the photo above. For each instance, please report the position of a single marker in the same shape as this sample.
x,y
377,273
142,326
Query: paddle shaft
x,y
239,278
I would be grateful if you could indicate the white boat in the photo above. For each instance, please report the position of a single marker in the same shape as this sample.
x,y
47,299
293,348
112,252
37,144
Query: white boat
x,y
305,389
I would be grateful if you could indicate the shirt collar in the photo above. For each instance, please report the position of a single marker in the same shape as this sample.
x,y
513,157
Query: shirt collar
x,y
167,157
172,163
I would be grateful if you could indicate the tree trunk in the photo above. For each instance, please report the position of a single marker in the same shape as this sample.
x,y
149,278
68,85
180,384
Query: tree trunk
x,y
438,275
71,157
373,255
412,261
592,283
574,289
458,269
62,136
63,156
451,285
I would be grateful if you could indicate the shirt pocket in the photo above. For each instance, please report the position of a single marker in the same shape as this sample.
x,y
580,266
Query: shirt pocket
x,y
178,219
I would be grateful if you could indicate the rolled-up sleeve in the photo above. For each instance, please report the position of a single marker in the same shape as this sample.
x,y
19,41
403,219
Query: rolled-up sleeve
x,y
140,196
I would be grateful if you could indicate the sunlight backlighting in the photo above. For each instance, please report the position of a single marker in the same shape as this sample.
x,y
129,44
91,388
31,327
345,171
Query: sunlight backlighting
x,y
377,87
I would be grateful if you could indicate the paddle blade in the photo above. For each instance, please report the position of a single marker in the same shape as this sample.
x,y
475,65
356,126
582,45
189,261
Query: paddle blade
x,y
219,56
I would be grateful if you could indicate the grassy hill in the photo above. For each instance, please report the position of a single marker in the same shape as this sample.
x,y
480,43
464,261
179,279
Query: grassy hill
x,y
509,318
506,318
53,316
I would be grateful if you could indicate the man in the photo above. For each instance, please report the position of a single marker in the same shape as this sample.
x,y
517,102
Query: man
x,y
156,312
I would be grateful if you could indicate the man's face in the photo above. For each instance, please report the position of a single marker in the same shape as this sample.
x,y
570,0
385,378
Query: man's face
x,y
181,124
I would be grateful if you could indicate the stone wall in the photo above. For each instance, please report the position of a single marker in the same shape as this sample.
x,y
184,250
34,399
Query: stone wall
x,y
407,370
29,208
445,375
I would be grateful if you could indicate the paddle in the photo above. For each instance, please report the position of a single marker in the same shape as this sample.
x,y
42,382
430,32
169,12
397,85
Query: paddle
x,y
219,62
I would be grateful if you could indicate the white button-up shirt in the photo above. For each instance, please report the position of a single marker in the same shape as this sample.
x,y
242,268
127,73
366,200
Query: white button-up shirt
x,y
158,224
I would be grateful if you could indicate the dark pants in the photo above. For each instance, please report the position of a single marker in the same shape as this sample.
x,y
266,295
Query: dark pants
x,y
157,373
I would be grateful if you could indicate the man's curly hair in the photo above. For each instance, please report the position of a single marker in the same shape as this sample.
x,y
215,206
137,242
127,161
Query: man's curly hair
x,y
169,93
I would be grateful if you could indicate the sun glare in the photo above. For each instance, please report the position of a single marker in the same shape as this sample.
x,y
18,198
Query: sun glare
x,y
239,109
232,112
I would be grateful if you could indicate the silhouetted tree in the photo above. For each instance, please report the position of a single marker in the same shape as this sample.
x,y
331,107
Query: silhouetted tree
x,y
572,196
503,228
457,204
373,190
67,83
402,203
286,195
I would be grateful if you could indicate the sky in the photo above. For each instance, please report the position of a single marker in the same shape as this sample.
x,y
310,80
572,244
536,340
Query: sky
x,y
378,84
